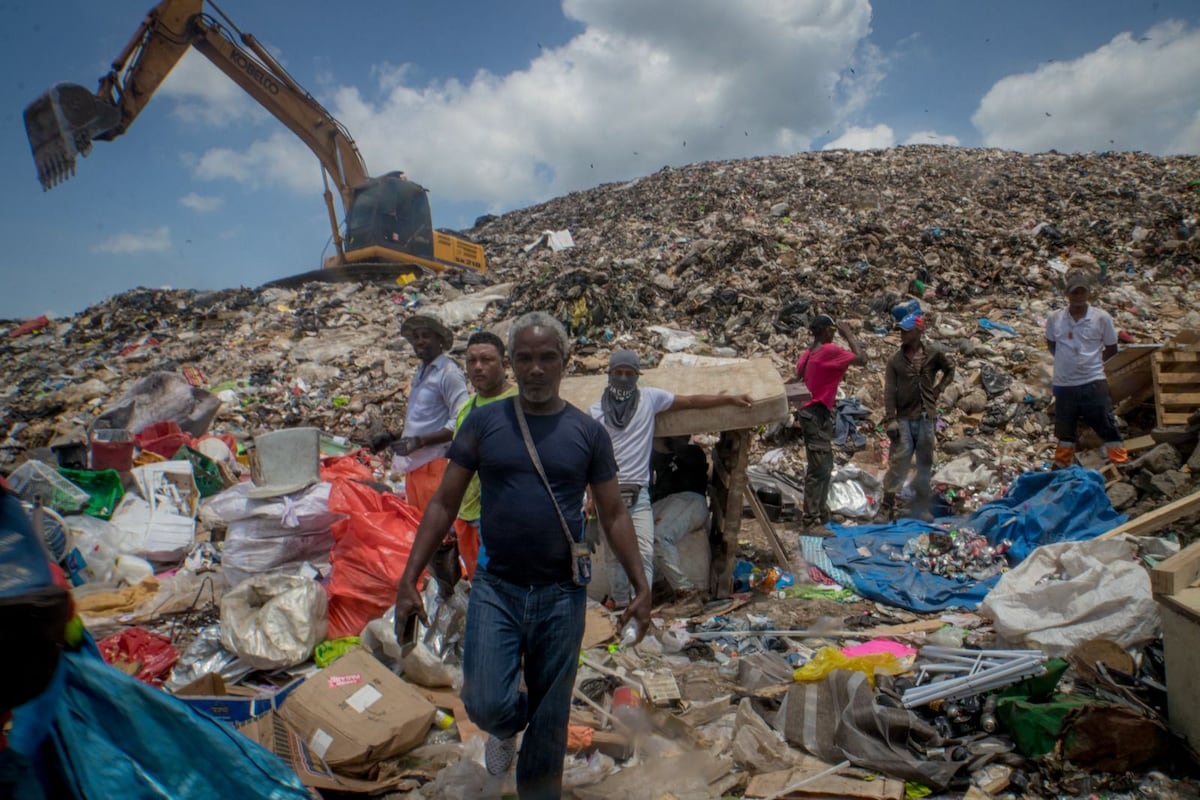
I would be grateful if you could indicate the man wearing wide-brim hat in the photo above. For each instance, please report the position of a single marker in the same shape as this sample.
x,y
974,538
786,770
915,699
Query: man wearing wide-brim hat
x,y
437,392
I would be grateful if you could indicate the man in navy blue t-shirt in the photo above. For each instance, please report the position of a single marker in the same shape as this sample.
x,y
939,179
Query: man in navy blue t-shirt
x,y
525,607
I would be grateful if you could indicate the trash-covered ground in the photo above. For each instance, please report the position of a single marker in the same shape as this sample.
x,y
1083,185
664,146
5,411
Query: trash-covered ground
x,y
191,585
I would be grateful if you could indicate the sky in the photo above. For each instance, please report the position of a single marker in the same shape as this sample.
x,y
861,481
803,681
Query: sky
x,y
496,106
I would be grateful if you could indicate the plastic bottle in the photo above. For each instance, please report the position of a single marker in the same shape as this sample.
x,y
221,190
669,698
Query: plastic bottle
x,y
629,634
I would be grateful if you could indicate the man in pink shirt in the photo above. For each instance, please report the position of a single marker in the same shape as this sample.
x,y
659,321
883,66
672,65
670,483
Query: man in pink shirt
x,y
822,367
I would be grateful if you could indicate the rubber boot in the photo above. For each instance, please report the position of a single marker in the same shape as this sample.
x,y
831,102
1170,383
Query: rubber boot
x,y
1117,454
1064,456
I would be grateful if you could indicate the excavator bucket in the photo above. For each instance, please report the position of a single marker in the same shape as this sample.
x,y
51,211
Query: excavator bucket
x,y
61,124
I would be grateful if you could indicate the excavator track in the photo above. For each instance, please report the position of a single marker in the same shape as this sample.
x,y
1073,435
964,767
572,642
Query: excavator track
x,y
389,272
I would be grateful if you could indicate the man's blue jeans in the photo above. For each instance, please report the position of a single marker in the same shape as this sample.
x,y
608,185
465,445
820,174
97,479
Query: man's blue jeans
x,y
917,438
544,626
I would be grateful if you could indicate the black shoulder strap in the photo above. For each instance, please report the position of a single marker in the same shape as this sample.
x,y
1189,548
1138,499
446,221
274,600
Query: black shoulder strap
x,y
537,465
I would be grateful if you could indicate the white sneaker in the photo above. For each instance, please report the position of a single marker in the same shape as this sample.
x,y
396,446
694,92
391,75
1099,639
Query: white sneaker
x,y
498,754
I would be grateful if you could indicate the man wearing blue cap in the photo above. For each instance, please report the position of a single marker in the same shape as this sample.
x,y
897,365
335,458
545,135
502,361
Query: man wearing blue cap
x,y
627,413
911,387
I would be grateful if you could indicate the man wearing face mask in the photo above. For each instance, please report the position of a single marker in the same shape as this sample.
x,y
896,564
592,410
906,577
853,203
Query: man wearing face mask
x,y
627,412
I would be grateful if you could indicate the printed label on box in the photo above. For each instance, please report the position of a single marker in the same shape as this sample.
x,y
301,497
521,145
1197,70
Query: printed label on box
x,y
361,700
344,680
320,741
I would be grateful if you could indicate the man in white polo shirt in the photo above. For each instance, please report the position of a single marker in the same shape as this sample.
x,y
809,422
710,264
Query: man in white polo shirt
x,y
1081,338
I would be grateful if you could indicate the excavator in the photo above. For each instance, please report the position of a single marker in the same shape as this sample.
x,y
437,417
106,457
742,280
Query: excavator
x,y
388,230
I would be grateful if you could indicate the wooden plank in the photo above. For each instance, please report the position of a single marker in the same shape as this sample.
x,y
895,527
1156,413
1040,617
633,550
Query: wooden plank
x,y
1175,356
1140,443
1176,418
1159,518
1178,378
1182,398
764,522
849,783
734,450
1177,572
1181,651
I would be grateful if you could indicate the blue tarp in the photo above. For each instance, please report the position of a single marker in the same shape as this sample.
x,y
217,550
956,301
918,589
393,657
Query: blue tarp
x,y
97,732
1039,508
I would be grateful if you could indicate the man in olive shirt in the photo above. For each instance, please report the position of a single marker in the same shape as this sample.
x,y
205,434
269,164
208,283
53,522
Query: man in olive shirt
x,y
910,391
486,370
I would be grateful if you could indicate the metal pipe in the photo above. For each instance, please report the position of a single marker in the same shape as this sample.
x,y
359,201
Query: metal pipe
x,y
998,676
806,781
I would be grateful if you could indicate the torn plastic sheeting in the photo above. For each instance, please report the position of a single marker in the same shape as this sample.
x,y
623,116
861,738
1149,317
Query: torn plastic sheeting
x,y
273,621
160,397
436,659
470,307
673,340
853,492
964,472
1039,508
1068,593
555,240
203,656
838,719
371,548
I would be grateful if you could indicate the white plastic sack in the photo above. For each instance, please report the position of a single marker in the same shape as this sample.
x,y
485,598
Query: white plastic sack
x,y
470,307
303,511
254,547
1065,594
964,473
851,492
273,621
673,340
92,548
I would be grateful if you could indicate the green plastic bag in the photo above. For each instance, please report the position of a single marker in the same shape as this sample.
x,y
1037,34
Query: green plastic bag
x,y
331,650
103,486
204,469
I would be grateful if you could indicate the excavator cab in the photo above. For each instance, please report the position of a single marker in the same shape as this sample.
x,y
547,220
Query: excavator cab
x,y
61,124
390,212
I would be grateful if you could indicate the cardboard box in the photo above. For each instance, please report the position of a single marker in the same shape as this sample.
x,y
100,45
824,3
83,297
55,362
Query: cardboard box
x,y
284,741
356,712
209,694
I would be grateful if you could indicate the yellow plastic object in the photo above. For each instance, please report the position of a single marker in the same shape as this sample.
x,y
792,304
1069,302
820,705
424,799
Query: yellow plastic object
x,y
827,659
331,650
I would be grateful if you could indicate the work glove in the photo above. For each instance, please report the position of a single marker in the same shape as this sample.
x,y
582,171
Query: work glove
x,y
380,441
406,445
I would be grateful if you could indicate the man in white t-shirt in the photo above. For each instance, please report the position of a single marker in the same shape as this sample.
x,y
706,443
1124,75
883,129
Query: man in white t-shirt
x,y
627,412
1081,338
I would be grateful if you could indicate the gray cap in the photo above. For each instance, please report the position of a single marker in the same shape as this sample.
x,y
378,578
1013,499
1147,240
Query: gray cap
x,y
624,358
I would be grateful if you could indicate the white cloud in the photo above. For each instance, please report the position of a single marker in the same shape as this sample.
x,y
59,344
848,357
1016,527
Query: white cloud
x,y
641,87
931,137
203,95
856,138
1134,93
280,159
149,241
200,203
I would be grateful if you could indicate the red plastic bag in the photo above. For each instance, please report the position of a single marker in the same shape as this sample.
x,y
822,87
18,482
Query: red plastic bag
x,y
351,465
144,655
370,550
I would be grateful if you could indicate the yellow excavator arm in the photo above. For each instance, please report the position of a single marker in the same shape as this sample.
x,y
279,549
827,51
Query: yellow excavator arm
x,y
391,223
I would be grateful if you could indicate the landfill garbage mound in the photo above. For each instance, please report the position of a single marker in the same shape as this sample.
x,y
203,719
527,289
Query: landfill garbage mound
x,y
723,695
725,258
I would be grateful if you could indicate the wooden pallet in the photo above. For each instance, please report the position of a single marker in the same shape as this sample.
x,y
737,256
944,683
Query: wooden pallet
x,y
1176,384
